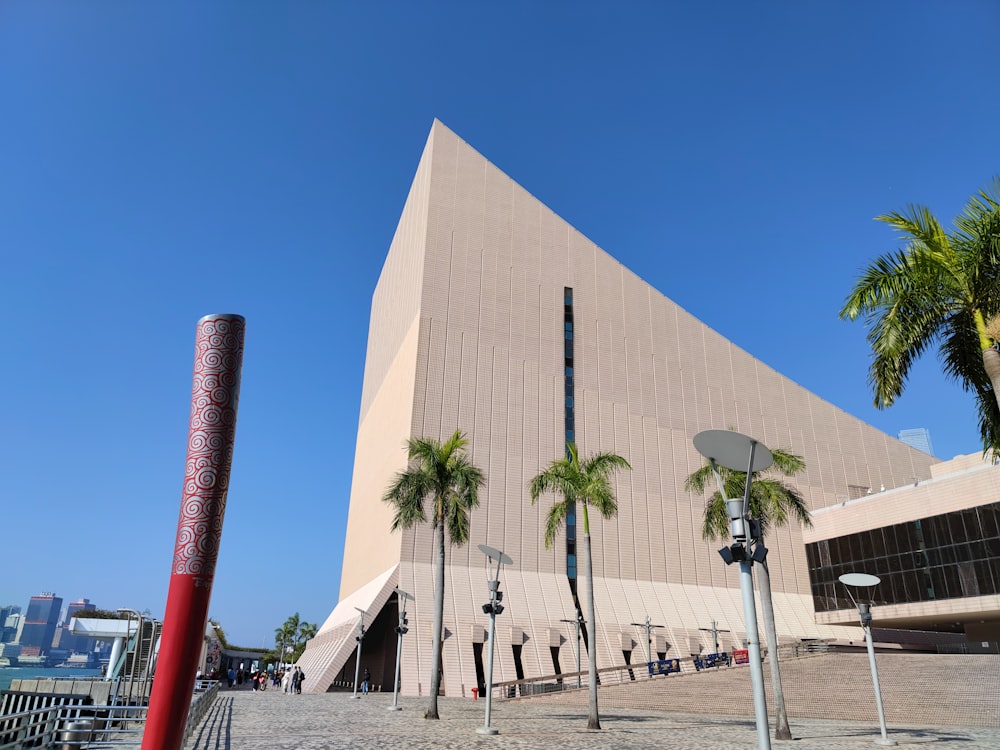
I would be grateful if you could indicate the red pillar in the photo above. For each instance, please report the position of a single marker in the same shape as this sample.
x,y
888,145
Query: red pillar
x,y
218,359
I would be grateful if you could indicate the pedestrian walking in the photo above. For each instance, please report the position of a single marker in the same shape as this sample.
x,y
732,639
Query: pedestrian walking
x,y
364,681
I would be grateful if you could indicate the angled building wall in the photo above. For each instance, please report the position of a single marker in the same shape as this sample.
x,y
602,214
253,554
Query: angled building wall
x,y
468,332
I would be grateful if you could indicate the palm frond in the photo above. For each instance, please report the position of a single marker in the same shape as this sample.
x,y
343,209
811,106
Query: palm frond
x,y
406,493
715,521
555,519
772,502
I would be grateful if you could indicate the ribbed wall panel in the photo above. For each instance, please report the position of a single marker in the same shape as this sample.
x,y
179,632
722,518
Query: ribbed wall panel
x,y
467,332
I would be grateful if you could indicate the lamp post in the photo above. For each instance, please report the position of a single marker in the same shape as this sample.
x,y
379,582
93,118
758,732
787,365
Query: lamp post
x,y
649,641
742,453
579,622
857,580
401,598
492,608
360,638
714,630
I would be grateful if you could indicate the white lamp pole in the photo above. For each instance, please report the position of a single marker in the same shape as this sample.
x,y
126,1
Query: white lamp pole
x,y
649,642
742,453
401,598
865,611
579,622
492,608
357,661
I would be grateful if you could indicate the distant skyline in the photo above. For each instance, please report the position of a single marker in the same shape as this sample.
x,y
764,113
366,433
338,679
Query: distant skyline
x,y
163,162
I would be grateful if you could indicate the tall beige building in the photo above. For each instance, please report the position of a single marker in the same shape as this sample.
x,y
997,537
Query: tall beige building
x,y
494,316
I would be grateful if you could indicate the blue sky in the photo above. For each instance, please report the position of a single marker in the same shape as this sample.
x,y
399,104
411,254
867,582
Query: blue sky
x,y
159,162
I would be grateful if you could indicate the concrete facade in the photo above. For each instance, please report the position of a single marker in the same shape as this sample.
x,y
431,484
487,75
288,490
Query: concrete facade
x,y
467,332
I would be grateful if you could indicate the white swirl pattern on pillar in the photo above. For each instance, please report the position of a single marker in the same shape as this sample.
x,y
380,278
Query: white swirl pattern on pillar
x,y
214,400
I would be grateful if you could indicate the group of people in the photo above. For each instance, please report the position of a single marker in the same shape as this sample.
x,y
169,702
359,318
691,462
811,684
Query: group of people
x,y
290,679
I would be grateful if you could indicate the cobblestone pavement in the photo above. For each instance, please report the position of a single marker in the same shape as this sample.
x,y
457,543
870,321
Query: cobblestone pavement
x,y
242,720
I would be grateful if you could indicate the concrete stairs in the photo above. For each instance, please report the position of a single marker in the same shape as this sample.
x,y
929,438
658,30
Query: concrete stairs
x,y
917,689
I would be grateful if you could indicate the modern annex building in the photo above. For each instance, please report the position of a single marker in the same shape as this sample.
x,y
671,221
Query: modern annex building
x,y
494,316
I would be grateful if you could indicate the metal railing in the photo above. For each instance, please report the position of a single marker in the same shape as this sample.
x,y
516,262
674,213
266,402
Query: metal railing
x,y
86,726
606,677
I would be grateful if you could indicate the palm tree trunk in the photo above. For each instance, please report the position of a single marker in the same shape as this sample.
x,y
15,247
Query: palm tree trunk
x,y
438,630
991,362
593,719
781,729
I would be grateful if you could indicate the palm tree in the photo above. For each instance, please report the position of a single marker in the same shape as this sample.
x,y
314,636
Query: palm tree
x,y
306,632
588,483
939,289
772,503
443,473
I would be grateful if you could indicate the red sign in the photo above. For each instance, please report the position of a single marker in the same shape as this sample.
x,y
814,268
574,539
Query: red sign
x,y
741,656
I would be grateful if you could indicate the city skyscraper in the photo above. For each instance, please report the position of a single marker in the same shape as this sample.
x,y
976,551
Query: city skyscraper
x,y
8,626
40,623
67,640
494,316
919,438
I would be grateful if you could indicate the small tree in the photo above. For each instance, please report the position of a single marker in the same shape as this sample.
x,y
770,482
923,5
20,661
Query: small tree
x,y
588,483
772,503
443,474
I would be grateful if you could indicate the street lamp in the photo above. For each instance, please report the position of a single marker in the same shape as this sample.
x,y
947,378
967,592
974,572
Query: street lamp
x,y
401,598
739,452
857,580
579,622
360,638
649,641
492,608
714,630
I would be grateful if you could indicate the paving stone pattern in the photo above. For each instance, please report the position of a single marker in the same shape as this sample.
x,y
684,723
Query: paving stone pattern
x,y
242,720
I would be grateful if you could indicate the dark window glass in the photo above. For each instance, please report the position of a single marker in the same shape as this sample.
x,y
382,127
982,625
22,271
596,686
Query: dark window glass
x,y
967,579
837,557
992,548
878,543
932,533
824,553
849,549
963,552
569,402
571,436
952,581
867,547
569,349
957,528
812,559
906,536
947,555
938,589
984,578
973,529
891,547
994,566
988,520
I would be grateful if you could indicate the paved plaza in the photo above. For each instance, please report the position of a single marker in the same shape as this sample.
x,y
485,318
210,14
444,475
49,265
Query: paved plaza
x,y
242,720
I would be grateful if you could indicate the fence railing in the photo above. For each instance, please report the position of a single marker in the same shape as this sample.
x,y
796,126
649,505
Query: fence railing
x,y
618,675
69,726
